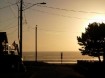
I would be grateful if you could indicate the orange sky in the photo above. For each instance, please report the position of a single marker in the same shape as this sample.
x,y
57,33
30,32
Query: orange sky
x,y
59,22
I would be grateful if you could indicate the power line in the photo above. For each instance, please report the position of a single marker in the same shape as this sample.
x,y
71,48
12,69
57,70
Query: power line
x,y
8,28
71,10
7,20
7,6
64,15
12,32
25,20
50,30
12,9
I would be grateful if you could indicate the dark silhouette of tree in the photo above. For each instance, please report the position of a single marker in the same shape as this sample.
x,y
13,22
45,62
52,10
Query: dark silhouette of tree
x,y
93,40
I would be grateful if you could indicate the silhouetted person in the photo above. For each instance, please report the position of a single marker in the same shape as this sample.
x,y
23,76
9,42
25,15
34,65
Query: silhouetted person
x,y
16,47
61,57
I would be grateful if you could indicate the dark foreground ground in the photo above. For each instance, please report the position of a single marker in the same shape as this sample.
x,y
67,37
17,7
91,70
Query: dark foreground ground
x,y
45,70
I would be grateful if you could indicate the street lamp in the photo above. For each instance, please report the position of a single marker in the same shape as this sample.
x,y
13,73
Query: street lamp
x,y
43,3
21,25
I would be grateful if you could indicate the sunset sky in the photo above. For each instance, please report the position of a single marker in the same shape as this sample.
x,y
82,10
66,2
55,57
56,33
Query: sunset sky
x,y
59,22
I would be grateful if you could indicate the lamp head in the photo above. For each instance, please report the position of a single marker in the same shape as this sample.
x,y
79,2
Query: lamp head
x,y
43,3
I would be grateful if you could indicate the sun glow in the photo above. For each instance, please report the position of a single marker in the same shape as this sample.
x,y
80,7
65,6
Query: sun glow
x,y
98,19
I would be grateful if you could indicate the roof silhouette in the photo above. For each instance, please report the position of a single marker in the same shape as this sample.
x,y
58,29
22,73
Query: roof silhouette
x,y
3,37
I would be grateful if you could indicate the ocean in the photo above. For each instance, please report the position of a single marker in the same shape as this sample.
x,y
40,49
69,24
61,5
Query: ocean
x,y
56,57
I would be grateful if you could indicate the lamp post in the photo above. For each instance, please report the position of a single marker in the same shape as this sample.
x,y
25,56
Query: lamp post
x,y
36,43
21,25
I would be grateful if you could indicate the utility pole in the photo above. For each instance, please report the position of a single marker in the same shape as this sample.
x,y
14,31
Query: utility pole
x,y
21,19
21,28
36,43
